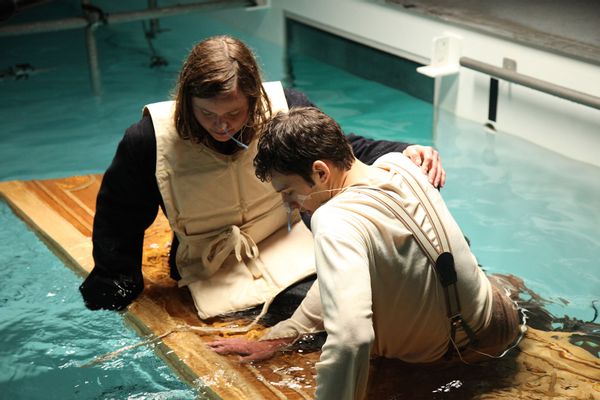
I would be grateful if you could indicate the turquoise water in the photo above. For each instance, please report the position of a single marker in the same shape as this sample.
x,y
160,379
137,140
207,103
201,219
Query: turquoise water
x,y
48,335
527,211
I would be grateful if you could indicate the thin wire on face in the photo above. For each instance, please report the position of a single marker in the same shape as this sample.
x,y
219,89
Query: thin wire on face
x,y
239,143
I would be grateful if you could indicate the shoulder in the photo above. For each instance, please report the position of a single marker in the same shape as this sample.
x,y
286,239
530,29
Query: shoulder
x,y
394,158
340,234
343,215
352,211
139,141
296,98
141,133
399,160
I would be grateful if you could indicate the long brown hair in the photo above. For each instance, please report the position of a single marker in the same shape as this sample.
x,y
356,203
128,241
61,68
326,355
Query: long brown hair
x,y
216,66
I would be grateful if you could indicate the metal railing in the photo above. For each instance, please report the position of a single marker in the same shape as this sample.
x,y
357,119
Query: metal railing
x,y
93,17
532,83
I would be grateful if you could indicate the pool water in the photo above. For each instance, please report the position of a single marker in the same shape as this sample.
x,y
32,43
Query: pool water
x,y
48,336
527,211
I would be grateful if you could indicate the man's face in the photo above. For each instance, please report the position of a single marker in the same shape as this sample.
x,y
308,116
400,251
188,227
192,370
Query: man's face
x,y
296,192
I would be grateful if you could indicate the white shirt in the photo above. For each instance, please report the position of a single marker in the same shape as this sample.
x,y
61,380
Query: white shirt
x,y
379,293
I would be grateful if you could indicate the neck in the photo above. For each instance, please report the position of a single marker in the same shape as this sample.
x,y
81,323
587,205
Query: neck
x,y
357,173
339,180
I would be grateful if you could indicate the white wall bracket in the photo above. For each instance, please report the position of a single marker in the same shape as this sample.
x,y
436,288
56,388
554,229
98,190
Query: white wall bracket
x,y
445,56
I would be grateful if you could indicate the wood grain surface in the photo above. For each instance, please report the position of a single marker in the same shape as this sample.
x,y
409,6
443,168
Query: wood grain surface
x,y
546,365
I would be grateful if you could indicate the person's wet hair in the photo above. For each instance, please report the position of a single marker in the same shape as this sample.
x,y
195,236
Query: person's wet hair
x,y
219,65
292,141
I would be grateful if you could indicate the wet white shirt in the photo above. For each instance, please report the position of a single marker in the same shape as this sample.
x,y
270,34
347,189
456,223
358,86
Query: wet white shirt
x,y
379,293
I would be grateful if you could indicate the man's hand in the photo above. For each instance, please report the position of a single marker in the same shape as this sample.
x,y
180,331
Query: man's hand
x,y
429,160
251,350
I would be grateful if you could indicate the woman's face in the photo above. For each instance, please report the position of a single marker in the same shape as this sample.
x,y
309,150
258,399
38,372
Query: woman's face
x,y
223,115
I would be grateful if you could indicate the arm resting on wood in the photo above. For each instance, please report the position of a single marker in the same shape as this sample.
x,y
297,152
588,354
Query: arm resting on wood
x,y
126,205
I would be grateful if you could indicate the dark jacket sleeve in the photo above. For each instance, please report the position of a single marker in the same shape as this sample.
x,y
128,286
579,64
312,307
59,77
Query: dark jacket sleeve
x,y
295,98
126,205
369,150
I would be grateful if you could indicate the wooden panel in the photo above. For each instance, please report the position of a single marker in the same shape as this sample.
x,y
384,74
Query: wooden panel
x,y
61,211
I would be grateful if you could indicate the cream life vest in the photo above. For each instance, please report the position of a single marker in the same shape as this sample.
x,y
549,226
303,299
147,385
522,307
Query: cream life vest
x,y
222,215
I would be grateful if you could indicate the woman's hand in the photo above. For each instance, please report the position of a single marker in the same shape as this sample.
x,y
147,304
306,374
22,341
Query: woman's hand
x,y
429,160
251,350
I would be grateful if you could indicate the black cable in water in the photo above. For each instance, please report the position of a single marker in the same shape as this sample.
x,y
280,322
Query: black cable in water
x,y
155,59
493,104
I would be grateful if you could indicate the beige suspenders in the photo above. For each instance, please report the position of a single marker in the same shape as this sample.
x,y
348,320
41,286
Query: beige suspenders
x,y
441,258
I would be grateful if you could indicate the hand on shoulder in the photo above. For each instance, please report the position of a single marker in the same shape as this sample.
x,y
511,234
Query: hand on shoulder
x,y
428,159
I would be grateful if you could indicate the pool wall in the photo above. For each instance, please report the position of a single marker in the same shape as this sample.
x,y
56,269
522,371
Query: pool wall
x,y
556,124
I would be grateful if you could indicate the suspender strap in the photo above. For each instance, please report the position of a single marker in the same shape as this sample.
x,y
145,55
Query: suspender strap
x,y
441,259
446,272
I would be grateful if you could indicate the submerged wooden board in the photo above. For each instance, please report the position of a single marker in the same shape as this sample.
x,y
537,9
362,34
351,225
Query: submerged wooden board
x,y
61,211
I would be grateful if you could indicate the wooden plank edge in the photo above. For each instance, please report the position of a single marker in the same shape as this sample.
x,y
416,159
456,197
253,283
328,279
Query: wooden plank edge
x,y
48,224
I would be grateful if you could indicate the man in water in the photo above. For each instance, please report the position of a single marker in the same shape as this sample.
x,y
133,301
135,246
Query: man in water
x,y
396,277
